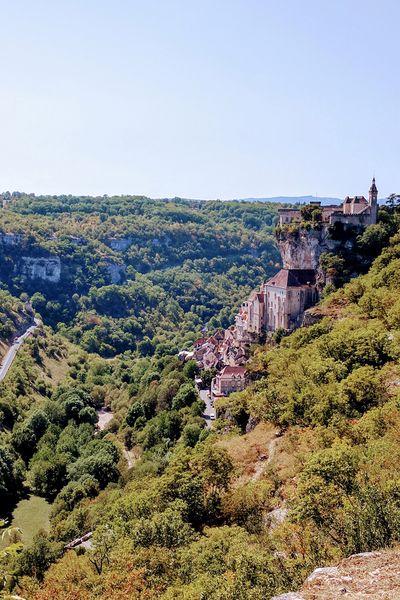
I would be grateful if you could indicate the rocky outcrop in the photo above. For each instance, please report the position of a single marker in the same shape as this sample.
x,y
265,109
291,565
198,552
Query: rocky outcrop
x,y
276,517
311,316
302,249
119,244
116,272
11,239
47,269
367,575
288,596
251,424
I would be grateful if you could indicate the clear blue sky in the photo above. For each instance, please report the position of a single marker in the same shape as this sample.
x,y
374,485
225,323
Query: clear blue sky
x,y
204,99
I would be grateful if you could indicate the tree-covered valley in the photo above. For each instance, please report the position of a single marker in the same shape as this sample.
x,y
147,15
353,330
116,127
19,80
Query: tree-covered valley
x,y
300,470
130,273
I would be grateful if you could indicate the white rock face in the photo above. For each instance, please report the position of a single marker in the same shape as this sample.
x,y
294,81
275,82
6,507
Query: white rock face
x,y
120,244
277,516
364,555
323,572
116,272
303,250
48,269
11,239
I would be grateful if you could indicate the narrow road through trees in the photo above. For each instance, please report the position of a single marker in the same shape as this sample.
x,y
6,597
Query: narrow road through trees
x,y
209,409
12,352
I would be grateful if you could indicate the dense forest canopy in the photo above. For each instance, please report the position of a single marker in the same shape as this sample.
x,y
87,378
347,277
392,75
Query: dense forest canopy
x,y
180,511
135,273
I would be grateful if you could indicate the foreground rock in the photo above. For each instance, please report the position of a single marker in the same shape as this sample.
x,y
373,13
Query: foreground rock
x,y
372,575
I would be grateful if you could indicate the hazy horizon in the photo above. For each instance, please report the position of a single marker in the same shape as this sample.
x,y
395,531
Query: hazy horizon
x,y
200,100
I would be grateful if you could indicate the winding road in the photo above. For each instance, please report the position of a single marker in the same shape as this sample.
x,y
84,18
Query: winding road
x,y
12,352
209,410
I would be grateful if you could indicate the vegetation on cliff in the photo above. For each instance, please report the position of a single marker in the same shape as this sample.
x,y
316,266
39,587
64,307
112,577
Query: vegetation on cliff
x,y
179,266
179,511
13,316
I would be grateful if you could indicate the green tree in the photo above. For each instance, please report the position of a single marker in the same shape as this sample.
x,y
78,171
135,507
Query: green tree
x,y
185,396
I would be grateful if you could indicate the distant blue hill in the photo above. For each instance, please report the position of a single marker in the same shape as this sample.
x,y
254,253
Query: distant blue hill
x,y
295,200
325,200
301,200
277,199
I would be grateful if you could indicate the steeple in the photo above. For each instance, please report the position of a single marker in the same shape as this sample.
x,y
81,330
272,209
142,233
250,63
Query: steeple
x,y
373,201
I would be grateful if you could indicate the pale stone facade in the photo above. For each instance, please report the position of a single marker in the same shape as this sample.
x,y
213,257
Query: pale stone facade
x,y
281,301
250,320
279,304
356,211
230,379
287,295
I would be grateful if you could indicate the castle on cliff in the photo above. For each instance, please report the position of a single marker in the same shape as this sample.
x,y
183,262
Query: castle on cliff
x,y
280,302
356,211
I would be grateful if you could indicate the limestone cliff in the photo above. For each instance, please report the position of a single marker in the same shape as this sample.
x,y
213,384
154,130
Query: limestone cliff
x,y
116,272
32,260
302,248
48,269
119,244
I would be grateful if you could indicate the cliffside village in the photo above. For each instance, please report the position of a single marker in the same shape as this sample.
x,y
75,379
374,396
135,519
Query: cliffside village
x,y
279,303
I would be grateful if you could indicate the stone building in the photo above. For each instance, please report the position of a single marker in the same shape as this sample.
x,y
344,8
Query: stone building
x,y
230,379
281,301
356,211
287,295
250,320
278,304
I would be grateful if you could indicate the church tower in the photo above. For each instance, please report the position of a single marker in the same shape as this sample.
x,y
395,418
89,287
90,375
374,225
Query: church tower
x,y
373,201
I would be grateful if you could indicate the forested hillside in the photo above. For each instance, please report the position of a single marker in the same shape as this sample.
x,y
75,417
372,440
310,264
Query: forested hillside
x,y
13,318
130,273
179,511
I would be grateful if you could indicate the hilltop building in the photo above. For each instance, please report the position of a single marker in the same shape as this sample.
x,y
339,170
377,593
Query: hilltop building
x,y
356,211
287,295
279,304
281,301
250,321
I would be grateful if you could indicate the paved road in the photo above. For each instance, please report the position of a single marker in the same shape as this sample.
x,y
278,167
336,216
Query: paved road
x,y
209,408
12,352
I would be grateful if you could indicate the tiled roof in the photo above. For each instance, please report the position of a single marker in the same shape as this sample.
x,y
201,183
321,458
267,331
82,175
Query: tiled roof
x,y
355,200
292,278
233,371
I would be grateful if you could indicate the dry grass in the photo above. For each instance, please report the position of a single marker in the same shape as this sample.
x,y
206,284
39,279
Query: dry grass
x,y
392,379
290,455
260,450
57,368
245,450
3,349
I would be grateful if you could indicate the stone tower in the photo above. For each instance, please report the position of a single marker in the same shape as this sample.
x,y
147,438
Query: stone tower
x,y
373,201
